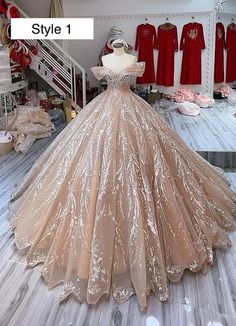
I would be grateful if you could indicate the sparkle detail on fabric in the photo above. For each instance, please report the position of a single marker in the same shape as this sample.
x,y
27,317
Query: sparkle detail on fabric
x,y
118,203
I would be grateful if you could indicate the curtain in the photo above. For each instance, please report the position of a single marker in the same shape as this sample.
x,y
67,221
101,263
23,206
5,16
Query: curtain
x,y
56,9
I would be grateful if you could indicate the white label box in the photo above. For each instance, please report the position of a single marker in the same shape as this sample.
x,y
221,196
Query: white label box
x,y
52,28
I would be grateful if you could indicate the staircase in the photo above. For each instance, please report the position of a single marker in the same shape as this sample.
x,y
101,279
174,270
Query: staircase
x,y
57,68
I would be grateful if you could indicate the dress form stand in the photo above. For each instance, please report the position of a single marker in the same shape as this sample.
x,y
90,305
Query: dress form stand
x,y
119,59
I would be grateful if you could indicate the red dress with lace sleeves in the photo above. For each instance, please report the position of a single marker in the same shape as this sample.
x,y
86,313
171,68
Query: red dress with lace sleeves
x,y
167,44
231,53
145,43
219,53
192,43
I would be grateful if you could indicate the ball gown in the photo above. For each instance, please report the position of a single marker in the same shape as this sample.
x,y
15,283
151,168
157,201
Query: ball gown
x,y
118,204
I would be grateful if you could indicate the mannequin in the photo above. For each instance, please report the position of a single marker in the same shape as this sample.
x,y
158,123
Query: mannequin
x,y
119,59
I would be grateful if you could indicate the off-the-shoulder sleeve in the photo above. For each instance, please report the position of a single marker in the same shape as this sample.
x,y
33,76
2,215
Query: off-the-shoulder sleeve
x,y
99,71
137,69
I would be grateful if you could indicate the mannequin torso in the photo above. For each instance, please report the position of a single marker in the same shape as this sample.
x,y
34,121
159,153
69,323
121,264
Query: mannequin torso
x,y
118,60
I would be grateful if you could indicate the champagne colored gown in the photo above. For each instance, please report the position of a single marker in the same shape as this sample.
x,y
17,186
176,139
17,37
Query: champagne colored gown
x,y
118,203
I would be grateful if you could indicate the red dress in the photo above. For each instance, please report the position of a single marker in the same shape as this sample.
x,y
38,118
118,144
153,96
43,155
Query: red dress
x,y
145,43
219,53
192,43
167,44
231,53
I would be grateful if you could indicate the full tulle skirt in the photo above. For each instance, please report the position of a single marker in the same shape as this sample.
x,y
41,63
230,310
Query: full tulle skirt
x,y
119,204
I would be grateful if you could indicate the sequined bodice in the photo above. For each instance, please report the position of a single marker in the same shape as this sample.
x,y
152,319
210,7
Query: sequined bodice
x,y
121,80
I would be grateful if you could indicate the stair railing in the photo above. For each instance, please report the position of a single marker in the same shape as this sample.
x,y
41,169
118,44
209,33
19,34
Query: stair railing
x,y
58,64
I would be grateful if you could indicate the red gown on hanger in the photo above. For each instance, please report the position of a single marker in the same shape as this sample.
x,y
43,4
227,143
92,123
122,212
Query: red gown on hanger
x,y
145,43
192,43
219,53
167,44
231,53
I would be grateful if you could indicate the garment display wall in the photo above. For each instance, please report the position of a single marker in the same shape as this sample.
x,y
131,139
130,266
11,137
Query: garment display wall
x,y
128,15
128,24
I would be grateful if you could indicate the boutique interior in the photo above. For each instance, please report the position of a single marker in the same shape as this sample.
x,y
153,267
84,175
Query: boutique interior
x,y
185,72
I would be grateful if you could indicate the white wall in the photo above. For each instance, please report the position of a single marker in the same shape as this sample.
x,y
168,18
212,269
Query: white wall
x,y
34,8
75,8
230,6
78,8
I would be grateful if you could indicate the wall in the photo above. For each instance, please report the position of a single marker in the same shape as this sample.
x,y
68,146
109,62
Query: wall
x,y
74,8
87,51
230,6
127,15
110,13
34,8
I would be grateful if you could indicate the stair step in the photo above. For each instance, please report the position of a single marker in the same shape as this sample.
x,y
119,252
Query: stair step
x,y
61,64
